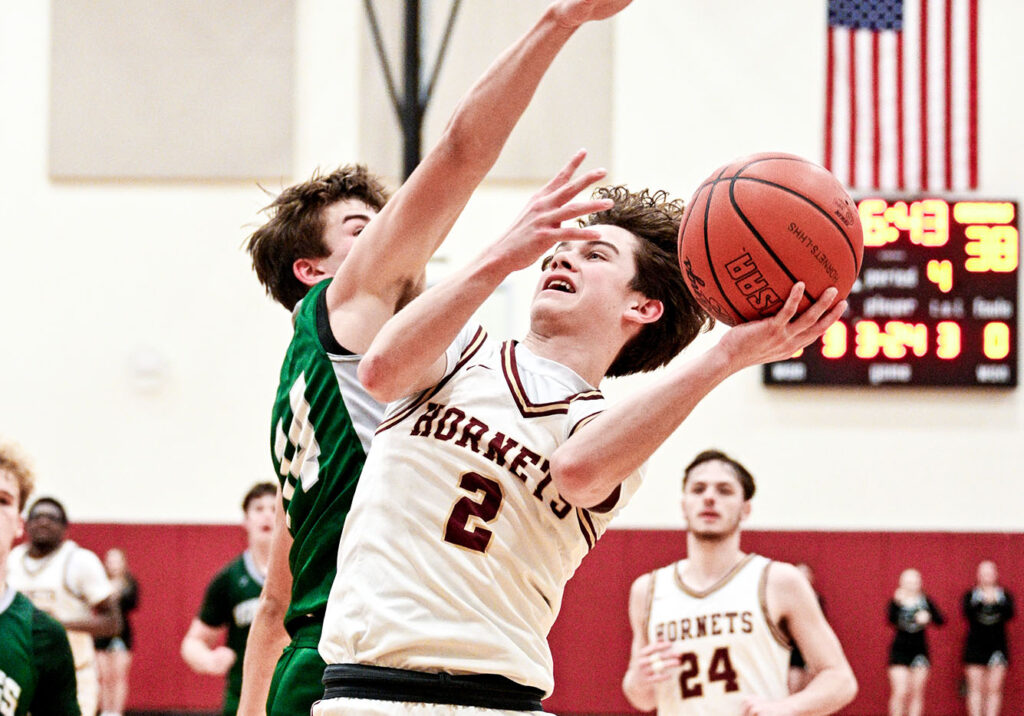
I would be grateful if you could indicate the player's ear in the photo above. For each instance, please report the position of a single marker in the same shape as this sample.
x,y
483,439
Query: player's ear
x,y
645,310
745,511
309,271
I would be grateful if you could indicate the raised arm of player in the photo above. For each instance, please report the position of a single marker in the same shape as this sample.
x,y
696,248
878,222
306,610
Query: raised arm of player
x,y
649,663
599,456
390,254
792,602
267,635
408,353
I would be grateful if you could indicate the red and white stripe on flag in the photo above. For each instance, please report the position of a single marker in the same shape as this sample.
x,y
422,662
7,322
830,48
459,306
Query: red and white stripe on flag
x,y
901,100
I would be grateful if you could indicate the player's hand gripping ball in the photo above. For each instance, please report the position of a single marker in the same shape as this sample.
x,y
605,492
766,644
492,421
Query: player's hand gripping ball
x,y
761,223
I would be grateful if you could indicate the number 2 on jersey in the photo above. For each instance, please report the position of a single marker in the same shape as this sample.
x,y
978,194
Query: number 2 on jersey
x,y
720,669
483,503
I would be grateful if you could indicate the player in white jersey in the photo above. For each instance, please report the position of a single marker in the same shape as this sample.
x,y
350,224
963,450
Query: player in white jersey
x,y
712,633
69,583
451,569
481,517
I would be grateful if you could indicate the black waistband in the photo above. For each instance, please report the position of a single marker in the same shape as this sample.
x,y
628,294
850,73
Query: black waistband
x,y
361,681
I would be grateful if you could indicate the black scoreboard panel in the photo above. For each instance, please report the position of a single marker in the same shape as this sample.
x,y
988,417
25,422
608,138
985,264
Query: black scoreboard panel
x,y
935,303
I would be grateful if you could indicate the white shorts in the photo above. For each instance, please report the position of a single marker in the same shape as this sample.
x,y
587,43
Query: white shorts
x,y
373,707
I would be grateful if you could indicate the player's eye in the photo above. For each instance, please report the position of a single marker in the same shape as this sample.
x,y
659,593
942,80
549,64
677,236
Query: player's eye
x,y
546,262
596,255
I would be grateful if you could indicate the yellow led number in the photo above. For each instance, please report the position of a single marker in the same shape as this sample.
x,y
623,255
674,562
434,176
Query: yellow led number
x,y
991,241
991,248
720,669
996,340
926,222
833,342
465,525
947,340
893,339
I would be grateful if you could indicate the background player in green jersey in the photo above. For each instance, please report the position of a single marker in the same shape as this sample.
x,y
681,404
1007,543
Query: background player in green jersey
x,y
37,672
323,419
215,642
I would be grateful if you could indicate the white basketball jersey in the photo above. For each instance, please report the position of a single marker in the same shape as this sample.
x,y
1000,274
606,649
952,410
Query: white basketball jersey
x,y
457,549
729,646
66,584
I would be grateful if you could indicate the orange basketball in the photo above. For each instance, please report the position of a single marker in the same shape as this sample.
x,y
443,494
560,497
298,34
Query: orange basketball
x,y
761,223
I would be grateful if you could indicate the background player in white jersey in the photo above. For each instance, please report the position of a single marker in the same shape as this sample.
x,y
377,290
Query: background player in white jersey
x,y
323,418
69,583
712,632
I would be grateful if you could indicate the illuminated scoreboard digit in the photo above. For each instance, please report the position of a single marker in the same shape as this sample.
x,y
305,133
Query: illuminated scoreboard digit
x,y
935,303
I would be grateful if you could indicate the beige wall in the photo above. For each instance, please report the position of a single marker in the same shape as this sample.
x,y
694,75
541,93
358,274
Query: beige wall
x,y
139,356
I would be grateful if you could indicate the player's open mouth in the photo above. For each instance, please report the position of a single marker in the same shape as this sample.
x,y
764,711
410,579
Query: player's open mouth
x,y
559,284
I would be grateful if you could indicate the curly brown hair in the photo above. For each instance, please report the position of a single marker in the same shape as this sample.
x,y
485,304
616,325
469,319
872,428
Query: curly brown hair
x,y
296,226
654,219
16,465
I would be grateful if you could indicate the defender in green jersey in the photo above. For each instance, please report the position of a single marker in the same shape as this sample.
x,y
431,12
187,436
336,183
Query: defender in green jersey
x,y
321,425
37,671
230,601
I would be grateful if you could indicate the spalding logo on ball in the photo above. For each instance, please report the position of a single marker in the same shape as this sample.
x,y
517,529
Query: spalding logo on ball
x,y
761,223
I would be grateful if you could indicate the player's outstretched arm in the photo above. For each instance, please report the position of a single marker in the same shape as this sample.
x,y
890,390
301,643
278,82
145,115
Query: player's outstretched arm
x,y
649,664
599,456
792,601
267,635
408,353
390,254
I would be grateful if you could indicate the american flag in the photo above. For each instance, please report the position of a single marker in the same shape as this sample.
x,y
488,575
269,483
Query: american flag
x,y
901,101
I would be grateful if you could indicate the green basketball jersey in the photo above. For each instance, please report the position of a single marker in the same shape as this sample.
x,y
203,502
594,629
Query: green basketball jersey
x,y
37,673
323,421
231,600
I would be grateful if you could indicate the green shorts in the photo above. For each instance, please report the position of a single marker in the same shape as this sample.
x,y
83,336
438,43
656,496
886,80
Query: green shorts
x,y
297,682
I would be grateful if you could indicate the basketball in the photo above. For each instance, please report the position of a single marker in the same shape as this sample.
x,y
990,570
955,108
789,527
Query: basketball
x,y
758,225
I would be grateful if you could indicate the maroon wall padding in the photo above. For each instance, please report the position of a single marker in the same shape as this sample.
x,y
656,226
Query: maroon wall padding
x,y
856,573
173,564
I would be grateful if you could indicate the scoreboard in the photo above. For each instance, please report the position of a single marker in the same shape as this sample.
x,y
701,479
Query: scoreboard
x,y
935,303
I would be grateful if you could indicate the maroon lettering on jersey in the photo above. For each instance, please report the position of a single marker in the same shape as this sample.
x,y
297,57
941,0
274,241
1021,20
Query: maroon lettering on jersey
x,y
499,447
424,424
448,425
524,457
471,434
